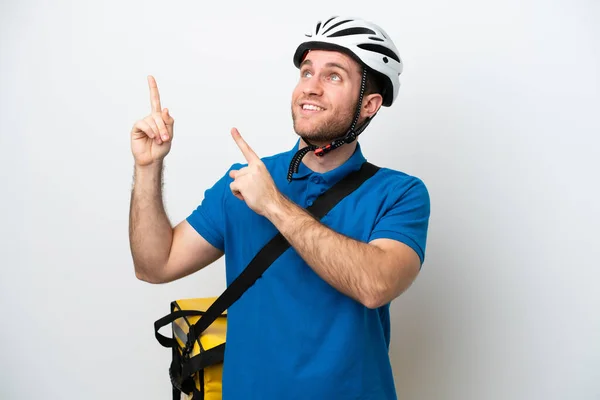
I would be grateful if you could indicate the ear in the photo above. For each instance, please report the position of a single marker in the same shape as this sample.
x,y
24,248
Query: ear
x,y
371,104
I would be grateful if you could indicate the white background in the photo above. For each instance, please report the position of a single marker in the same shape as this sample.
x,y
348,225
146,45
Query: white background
x,y
498,113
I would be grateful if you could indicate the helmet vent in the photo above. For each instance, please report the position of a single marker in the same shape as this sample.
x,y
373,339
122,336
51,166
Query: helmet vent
x,y
336,24
379,49
352,31
376,38
328,21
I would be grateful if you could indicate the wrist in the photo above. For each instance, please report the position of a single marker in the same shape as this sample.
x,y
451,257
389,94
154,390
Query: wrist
x,y
148,168
150,171
275,208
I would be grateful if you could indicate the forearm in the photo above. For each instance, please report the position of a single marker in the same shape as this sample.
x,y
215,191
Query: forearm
x,y
150,231
345,263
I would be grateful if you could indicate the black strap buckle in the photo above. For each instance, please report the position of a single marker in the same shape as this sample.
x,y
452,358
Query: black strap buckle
x,y
189,343
350,137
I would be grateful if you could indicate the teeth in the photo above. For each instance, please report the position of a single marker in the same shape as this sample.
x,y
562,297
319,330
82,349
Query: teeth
x,y
311,107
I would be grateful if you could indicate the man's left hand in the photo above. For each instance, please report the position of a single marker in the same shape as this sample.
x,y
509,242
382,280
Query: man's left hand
x,y
253,183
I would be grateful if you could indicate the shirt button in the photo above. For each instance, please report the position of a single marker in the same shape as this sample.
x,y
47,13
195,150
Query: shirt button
x,y
310,202
315,179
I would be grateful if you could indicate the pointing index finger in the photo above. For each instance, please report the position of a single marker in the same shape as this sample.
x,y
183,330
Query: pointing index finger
x,y
248,153
154,96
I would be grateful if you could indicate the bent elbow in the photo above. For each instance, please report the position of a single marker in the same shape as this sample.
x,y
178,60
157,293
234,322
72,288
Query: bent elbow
x,y
141,276
377,297
144,276
374,302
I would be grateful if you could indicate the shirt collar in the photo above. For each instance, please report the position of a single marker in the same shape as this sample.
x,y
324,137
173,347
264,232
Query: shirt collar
x,y
330,177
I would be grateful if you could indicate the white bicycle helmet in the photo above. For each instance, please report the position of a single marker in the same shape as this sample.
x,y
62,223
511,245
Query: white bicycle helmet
x,y
365,41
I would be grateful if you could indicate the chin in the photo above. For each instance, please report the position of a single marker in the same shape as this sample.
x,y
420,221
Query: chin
x,y
303,126
307,130
316,129
317,137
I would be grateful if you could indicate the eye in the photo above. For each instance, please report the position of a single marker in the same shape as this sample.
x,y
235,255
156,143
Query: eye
x,y
336,77
305,74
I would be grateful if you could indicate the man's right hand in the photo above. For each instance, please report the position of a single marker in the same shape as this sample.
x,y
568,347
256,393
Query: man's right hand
x,y
151,136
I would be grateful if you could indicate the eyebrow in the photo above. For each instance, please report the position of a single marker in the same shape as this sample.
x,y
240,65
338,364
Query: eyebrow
x,y
329,64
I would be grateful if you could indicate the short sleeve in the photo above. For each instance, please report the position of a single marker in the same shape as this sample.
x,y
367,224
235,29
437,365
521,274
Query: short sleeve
x,y
406,218
208,219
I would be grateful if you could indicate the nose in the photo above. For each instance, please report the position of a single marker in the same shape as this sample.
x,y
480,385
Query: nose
x,y
312,87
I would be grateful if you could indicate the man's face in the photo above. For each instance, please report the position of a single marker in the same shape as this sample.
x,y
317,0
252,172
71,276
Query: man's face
x,y
325,98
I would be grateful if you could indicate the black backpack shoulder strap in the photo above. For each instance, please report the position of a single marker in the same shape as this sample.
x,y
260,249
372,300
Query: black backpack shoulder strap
x,y
277,246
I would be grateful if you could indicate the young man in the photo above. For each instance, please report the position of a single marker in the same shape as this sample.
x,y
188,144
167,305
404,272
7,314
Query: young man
x,y
316,325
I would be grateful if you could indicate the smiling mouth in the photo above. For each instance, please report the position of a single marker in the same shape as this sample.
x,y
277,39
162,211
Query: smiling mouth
x,y
311,107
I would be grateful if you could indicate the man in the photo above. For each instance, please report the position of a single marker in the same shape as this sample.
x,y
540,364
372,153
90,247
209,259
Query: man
x,y
316,325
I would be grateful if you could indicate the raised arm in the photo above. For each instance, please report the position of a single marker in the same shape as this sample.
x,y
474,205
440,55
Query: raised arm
x,y
160,252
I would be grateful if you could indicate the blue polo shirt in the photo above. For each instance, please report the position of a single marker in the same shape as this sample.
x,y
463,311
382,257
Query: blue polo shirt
x,y
292,335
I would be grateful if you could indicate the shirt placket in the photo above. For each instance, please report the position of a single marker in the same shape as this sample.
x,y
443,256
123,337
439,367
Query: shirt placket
x,y
314,188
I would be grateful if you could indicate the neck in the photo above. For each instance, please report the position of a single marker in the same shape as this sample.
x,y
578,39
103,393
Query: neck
x,y
329,161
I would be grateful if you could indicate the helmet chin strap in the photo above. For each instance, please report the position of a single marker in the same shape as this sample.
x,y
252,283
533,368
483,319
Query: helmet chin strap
x,y
349,137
